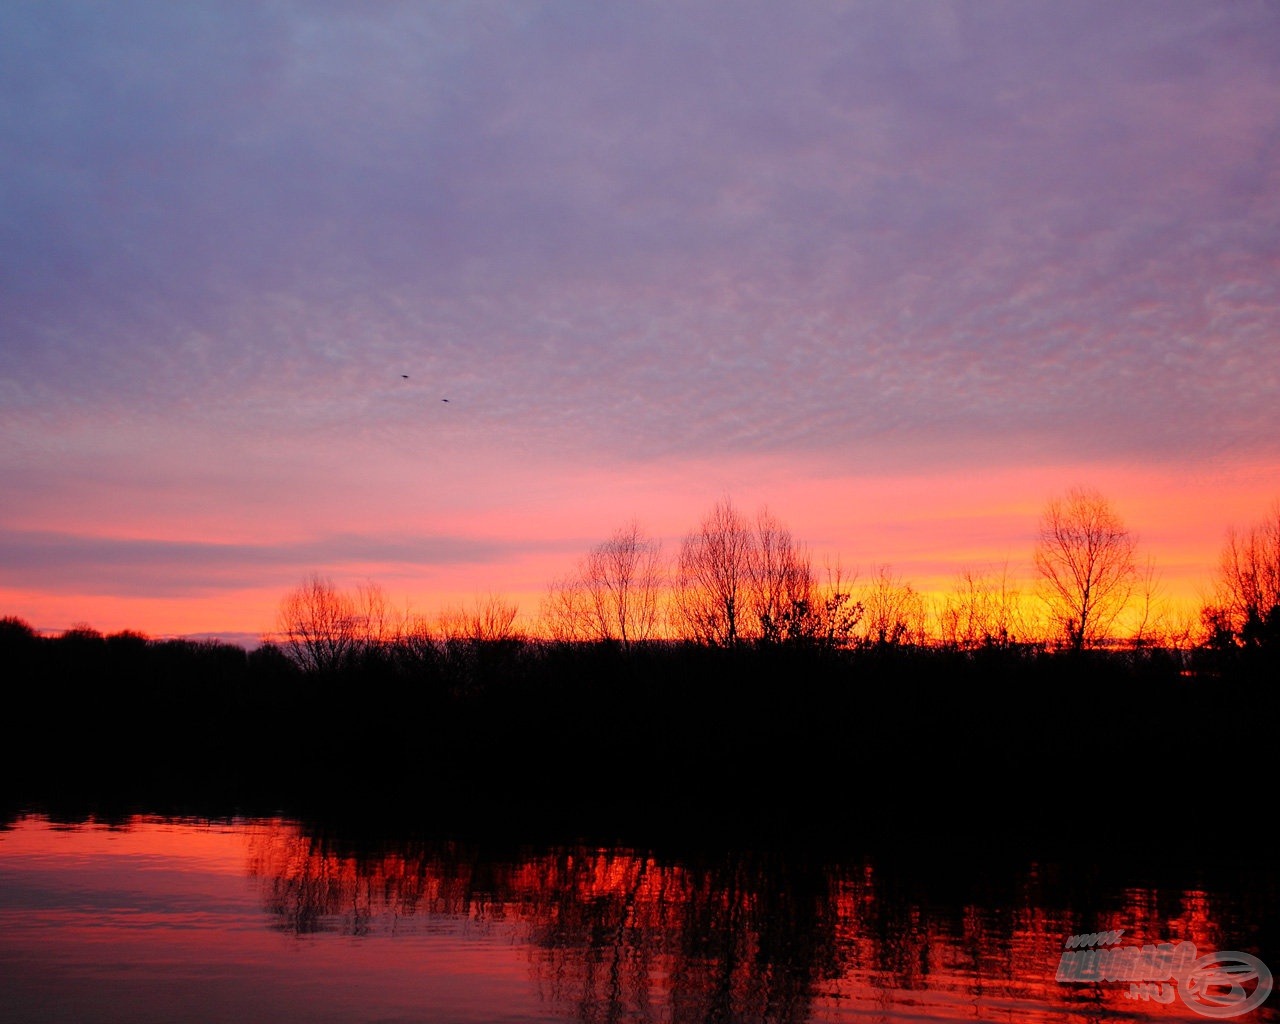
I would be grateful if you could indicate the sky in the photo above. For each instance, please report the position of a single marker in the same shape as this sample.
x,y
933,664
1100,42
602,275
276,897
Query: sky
x,y
901,272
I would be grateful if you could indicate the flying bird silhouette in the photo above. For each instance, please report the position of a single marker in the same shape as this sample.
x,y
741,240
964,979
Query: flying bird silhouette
x,y
404,376
444,399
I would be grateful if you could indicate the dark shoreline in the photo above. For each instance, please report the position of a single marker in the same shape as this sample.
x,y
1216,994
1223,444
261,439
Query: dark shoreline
x,y
898,747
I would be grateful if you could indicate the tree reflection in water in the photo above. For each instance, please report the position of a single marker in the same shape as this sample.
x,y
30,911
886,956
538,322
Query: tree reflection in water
x,y
621,934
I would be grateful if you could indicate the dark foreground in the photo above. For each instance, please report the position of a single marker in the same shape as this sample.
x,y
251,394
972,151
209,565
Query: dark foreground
x,y
774,746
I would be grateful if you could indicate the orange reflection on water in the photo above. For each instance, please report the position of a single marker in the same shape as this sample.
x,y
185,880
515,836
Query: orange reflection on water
x,y
621,934
419,927
154,922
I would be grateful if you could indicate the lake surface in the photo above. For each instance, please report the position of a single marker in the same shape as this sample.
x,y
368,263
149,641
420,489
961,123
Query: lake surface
x,y
161,920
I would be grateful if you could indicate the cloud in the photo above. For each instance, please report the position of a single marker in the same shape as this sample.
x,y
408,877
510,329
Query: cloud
x,y
88,564
875,237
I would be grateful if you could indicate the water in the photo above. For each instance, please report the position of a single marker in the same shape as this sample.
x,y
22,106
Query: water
x,y
160,920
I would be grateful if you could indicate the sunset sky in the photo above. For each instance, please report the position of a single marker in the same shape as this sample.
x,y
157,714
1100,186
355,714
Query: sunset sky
x,y
900,271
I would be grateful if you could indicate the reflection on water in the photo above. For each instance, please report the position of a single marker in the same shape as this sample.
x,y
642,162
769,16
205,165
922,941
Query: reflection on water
x,y
456,932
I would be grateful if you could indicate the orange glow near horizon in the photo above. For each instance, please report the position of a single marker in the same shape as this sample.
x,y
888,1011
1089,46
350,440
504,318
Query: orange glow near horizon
x,y
926,527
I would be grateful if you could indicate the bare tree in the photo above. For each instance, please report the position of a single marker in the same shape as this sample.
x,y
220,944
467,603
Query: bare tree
x,y
894,611
1248,584
781,584
494,618
1152,623
1180,626
714,577
622,579
736,581
377,624
565,615
614,594
982,610
318,625
1085,560
488,618
420,638
836,614
453,623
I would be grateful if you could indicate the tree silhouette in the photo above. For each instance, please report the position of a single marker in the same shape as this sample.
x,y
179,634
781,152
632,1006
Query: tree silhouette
x,y
982,610
714,575
836,613
737,581
490,618
1248,584
1085,560
783,594
318,625
614,595
894,611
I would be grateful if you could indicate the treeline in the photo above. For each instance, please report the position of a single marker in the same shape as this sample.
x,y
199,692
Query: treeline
x,y
741,581
614,739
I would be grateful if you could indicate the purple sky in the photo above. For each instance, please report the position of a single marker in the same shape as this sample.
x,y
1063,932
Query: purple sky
x,y
650,253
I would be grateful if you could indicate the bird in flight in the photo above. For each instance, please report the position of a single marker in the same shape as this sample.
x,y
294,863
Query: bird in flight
x,y
444,399
404,376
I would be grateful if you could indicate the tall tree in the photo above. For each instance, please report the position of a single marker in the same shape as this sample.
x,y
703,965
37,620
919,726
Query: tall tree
x,y
318,625
623,581
614,594
714,577
1085,558
783,598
